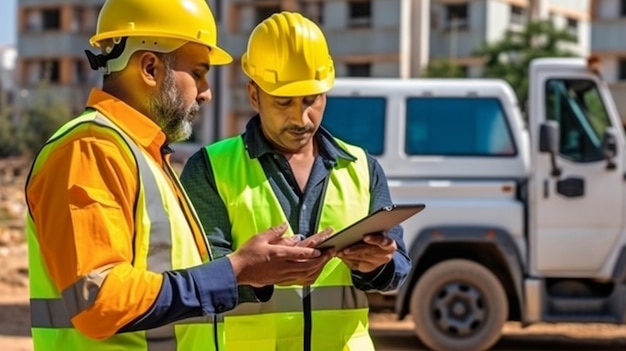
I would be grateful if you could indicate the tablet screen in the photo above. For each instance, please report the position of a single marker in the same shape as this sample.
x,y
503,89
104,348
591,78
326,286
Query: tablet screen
x,y
379,221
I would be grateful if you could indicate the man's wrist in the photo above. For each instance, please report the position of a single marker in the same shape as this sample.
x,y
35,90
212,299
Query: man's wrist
x,y
238,266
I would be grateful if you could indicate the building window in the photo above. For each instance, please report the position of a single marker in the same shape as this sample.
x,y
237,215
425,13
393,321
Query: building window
x,y
91,18
435,20
10,98
33,20
31,72
80,72
263,12
314,10
572,27
51,19
320,12
518,15
217,10
51,71
359,69
622,69
360,13
457,17
77,20
48,71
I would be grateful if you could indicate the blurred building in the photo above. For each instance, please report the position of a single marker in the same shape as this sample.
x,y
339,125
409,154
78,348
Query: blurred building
x,y
369,38
458,27
8,91
52,37
609,44
52,66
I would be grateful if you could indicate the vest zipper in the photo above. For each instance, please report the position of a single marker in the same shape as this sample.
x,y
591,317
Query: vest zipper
x,y
306,290
308,321
216,334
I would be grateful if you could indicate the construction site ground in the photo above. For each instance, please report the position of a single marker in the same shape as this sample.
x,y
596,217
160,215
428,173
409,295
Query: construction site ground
x,y
389,334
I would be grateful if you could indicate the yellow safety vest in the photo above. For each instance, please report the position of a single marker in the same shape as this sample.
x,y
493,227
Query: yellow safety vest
x,y
158,218
337,312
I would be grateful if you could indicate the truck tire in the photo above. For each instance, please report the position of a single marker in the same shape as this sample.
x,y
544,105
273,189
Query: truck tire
x,y
459,305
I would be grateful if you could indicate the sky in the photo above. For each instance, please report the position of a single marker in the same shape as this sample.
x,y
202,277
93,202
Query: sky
x,y
8,24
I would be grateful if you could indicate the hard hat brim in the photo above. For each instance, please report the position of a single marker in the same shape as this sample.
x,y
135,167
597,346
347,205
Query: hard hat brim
x,y
217,56
299,88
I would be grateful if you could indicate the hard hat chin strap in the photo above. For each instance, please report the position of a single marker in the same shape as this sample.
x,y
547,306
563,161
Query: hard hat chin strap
x,y
97,62
116,57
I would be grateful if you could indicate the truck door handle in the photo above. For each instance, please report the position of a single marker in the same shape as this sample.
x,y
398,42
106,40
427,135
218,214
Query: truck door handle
x,y
571,187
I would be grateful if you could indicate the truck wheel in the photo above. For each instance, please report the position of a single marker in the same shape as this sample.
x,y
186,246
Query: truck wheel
x,y
458,305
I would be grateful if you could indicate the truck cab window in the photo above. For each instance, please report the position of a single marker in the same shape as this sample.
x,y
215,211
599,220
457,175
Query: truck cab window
x,y
358,120
577,106
457,126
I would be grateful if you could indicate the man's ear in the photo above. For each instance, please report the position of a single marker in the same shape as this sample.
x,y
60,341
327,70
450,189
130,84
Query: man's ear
x,y
253,96
149,65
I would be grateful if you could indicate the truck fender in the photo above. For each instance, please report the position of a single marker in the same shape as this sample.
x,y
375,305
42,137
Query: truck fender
x,y
499,238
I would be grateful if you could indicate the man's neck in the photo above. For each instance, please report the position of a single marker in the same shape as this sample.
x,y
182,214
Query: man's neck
x,y
123,95
306,152
301,163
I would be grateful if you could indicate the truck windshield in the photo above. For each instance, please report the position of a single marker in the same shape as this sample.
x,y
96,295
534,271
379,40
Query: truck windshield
x,y
358,120
578,107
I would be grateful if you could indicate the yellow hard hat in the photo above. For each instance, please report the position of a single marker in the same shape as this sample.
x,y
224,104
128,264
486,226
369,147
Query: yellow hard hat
x,y
288,55
185,20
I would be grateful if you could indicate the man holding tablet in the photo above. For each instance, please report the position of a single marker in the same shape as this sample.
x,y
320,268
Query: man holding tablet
x,y
285,168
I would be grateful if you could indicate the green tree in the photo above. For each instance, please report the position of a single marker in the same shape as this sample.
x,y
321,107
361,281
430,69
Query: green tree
x,y
10,144
39,123
510,57
33,125
444,68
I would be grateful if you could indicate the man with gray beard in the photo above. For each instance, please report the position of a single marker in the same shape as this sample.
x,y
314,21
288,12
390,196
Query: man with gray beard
x,y
117,256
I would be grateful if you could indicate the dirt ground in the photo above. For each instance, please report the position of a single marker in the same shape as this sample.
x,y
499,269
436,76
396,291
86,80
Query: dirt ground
x,y
14,312
389,334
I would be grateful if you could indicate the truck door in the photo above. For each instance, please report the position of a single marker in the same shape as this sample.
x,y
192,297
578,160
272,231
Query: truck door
x,y
577,209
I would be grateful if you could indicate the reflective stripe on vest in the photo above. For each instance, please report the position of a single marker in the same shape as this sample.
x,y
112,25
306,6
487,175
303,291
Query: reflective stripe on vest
x,y
322,298
154,250
338,310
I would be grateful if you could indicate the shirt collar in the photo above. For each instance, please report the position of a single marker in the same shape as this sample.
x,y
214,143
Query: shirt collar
x,y
257,144
136,125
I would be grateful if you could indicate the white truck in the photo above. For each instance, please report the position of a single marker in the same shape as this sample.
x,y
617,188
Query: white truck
x,y
525,216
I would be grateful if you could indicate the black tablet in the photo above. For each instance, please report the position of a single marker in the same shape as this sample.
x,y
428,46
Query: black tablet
x,y
379,221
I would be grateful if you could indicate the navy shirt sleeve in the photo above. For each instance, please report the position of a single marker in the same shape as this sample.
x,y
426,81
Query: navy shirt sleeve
x,y
393,274
207,289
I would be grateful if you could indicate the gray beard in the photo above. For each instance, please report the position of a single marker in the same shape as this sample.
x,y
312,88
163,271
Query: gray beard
x,y
167,109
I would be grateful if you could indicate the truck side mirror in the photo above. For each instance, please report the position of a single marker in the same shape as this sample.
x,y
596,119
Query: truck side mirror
x,y
609,148
549,142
